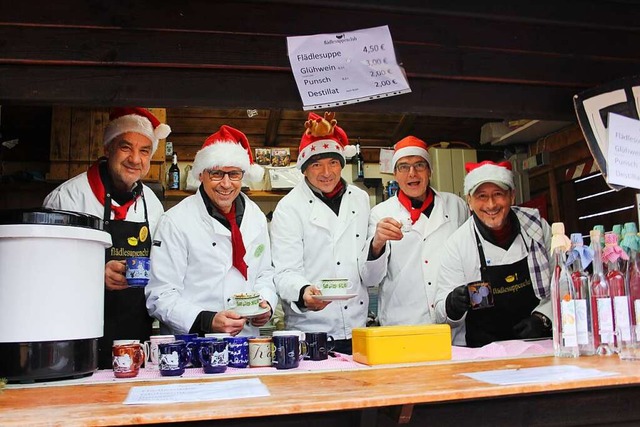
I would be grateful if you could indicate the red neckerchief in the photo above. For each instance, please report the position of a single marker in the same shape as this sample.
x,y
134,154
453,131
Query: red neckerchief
x,y
93,174
415,213
237,245
332,194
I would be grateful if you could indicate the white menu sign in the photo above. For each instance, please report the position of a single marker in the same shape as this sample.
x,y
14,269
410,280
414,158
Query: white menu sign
x,y
623,160
337,69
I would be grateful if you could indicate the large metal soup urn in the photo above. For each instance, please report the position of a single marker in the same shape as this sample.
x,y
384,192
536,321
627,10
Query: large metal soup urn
x,y
51,294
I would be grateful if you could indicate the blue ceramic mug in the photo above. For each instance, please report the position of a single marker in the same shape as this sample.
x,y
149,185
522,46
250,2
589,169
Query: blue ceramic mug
x,y
288,350
173,358
195,348
214,356
137,271
190,339
238,351
319,344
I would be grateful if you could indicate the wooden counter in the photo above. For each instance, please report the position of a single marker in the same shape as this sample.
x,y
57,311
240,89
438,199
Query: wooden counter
x,y
355,397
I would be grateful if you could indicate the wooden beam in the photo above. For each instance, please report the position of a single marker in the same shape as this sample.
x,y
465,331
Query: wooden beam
x,y
109,86
271,132
406,123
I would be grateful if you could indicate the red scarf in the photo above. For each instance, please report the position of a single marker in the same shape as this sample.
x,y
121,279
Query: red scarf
x,y
415,213
237,245
93,174
335,191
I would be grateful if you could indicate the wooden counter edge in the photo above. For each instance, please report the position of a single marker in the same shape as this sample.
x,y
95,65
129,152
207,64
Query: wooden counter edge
x,y
101,404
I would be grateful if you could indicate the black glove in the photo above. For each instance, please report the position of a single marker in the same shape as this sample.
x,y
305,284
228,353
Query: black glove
x,y
458,302
535,326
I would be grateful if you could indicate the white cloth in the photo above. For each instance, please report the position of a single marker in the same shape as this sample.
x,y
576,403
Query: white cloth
x,y
310,243
407,270
76,195
461,264
191,264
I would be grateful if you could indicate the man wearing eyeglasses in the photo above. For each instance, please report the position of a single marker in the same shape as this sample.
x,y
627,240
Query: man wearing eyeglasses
x,y
405,238
318,230
212,246
501,245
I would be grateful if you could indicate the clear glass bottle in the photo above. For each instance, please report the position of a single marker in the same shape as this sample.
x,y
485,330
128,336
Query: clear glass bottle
x,y
580,257
601,305
565,332
631,242
359,162
612,254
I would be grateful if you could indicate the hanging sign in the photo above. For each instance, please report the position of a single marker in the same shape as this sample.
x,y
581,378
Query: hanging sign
x,y
338,69
623,158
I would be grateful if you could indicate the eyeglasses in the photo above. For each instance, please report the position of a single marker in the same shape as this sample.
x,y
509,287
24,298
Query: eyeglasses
x,y
218,175
406,167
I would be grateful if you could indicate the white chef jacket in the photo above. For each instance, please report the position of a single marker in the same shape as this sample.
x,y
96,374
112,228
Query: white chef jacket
x,y
76,195
311,243
191,264
407,270
461,264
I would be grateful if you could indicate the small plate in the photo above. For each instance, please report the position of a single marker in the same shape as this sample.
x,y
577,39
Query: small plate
x,y
262,310
334,297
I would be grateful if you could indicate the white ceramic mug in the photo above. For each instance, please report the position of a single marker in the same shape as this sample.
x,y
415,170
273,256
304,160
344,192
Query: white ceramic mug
x,y
245,303
151,349
260,352
339,286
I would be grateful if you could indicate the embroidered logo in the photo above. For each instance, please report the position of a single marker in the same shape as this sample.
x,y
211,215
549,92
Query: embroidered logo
x,y
259,250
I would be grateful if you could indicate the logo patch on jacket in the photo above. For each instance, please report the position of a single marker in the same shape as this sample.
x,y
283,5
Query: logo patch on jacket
x,y
258,250
157,243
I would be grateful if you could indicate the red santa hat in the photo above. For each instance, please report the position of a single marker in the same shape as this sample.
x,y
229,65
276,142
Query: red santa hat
x,y
138,120
479,173
323,136
410,146
227,147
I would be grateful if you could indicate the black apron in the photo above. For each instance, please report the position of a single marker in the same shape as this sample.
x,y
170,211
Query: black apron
x,y
513,298
125,311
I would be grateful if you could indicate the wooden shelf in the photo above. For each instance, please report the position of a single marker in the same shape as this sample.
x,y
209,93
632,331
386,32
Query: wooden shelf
x,y
256,196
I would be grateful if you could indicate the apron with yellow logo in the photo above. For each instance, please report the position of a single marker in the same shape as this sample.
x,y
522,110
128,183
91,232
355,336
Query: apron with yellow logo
x,y
513,299
125,311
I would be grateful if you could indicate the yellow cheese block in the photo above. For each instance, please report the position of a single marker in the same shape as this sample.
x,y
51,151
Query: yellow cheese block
x,y
401,344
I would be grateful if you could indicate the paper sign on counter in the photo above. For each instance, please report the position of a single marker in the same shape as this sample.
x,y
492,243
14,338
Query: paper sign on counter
x,y
196,392
543,374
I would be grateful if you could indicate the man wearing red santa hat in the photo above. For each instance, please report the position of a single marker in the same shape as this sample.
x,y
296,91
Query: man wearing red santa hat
x,y
112,190
317,232
406,234
502,245
212,245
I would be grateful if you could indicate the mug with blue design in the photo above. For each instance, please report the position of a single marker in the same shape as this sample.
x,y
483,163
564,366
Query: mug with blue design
x,y
190,339
137,271
287,352
214,356
174,358
238,351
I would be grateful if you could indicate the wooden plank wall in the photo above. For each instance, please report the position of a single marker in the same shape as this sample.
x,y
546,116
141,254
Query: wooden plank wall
x,y
567,149
464,59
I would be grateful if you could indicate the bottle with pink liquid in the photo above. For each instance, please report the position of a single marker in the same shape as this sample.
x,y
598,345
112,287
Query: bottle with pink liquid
x,y
612,255
579,257
601,305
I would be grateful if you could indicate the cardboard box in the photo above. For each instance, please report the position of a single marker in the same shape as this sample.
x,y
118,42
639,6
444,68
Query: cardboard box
x,y
401,344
